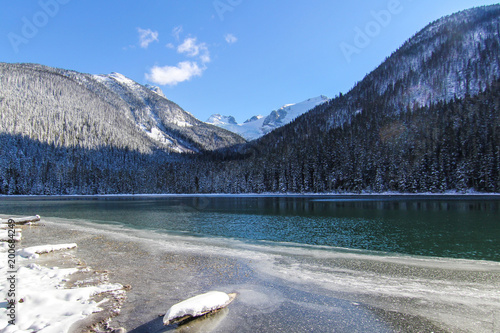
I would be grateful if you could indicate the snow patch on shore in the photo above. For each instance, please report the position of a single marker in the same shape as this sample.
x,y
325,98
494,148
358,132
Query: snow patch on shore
x,y
43,301
4,234
35,251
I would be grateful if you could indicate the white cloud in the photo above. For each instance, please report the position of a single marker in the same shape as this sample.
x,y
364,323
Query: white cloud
x,y
176,32
205,57
193,49
172,75
146,37
185,70
230,38
190,47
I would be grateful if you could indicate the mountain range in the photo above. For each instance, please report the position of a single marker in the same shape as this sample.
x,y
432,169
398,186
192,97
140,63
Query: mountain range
x,y
257,126
426,120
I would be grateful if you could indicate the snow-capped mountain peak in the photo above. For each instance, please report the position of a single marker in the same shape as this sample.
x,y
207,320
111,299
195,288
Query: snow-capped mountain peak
x,y
289,112
217,119
257,126
117,78
121,78
159,118
254,118
155,89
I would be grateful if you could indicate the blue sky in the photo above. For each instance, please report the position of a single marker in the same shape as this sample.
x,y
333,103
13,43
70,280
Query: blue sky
x,y
233,57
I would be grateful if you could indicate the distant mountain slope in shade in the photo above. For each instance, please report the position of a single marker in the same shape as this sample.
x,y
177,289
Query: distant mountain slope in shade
x,y
257,126
455,56
68,108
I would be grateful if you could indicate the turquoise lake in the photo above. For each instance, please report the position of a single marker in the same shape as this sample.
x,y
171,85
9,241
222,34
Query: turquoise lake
x,y
466,227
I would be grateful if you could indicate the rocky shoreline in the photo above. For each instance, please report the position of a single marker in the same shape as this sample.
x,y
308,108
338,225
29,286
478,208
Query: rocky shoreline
x,y
51,288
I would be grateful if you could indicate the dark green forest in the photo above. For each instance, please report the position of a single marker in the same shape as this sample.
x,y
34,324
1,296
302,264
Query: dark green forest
x,y
444,147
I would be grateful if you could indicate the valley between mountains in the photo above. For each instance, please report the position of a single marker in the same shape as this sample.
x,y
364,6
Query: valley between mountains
x,y
425,120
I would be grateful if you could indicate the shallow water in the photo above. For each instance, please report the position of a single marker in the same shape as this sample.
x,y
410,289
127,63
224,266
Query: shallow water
x,y
286,284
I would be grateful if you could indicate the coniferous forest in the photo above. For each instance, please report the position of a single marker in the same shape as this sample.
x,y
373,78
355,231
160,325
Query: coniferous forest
x,y
444,147
426,120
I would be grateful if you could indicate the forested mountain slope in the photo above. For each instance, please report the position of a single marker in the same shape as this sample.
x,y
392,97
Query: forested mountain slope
x,y
71,109
451,57
412,125
450,146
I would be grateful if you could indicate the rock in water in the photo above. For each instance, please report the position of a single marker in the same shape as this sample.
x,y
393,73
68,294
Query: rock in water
x,y
197,306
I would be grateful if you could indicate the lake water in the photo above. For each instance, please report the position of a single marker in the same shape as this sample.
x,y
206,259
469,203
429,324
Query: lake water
x,y
298,263
456,227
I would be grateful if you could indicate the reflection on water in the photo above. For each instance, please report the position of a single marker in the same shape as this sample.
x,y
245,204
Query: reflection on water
x,y
207,323
451,226
204,324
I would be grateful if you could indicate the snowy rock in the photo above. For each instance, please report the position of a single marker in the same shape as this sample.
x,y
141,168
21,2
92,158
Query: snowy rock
x,y
155,89
217,119
197,306
34,251
25,220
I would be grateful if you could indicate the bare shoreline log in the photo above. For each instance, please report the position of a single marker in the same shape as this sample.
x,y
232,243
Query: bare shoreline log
x,y
23,220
